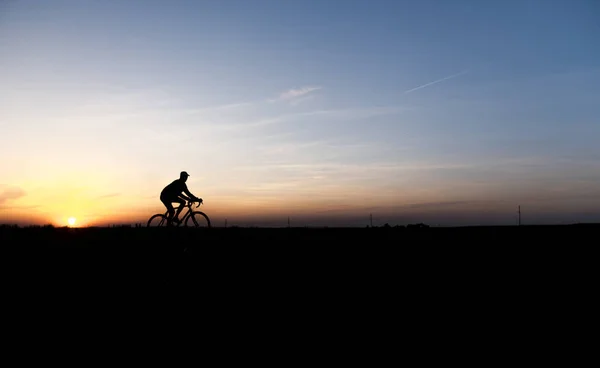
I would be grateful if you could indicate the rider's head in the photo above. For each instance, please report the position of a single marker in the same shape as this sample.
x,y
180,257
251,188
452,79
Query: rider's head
x,y
183,175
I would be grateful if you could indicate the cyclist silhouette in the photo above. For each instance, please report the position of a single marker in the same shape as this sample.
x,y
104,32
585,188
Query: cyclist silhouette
x,y
177,192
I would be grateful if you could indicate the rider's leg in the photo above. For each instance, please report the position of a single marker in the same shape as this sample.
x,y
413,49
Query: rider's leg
x,y
170,209
181,202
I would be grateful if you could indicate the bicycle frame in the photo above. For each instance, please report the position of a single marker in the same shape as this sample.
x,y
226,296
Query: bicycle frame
x,y
191,214
187,205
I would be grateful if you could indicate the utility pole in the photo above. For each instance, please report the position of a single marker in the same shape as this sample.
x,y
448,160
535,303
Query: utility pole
x,y
371,219
519,215
288,221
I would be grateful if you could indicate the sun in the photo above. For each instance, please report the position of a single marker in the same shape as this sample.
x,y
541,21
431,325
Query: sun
x,y
71,221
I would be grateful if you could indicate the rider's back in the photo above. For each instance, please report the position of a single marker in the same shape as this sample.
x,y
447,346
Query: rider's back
x,y
174,189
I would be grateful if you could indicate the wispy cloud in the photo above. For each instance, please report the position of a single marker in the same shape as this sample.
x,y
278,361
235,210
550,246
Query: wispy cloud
x,y
217,108
10,193
298,101
347,114
435,82
338,168
433,205
28,207
296,93
135,115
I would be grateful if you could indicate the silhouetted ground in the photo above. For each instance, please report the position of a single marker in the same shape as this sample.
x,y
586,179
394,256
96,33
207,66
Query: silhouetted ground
x,y
423,268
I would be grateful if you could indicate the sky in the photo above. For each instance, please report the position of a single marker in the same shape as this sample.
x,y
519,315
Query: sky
x,y
450,113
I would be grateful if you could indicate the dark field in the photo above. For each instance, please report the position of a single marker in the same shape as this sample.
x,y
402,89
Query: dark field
x,y
241,272
124,239
363,285
243,265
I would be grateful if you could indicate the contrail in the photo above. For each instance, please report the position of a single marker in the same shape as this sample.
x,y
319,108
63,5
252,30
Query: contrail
x,y
435,82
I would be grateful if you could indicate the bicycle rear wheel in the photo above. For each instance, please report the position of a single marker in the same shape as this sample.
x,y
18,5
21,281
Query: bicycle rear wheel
x,y
198,219
157,220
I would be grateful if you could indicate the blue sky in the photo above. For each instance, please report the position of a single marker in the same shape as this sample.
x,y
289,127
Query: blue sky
x,y
447,112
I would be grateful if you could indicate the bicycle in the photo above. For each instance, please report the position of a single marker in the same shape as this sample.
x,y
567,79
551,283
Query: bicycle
x,y
191,217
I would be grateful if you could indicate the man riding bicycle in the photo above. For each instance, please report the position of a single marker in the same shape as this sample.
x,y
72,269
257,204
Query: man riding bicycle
x,y
177,192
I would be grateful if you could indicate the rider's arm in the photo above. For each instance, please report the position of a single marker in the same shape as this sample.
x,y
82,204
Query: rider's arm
x,y
186,191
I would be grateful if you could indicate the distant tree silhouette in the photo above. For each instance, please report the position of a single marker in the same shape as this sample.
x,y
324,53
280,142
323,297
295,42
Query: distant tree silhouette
x,y
417,226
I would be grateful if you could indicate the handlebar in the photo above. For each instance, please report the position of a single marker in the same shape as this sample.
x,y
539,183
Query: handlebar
x,y
190,203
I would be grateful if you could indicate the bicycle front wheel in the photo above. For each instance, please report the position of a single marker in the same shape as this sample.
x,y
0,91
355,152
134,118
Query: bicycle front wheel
x,y
157,220
197,219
